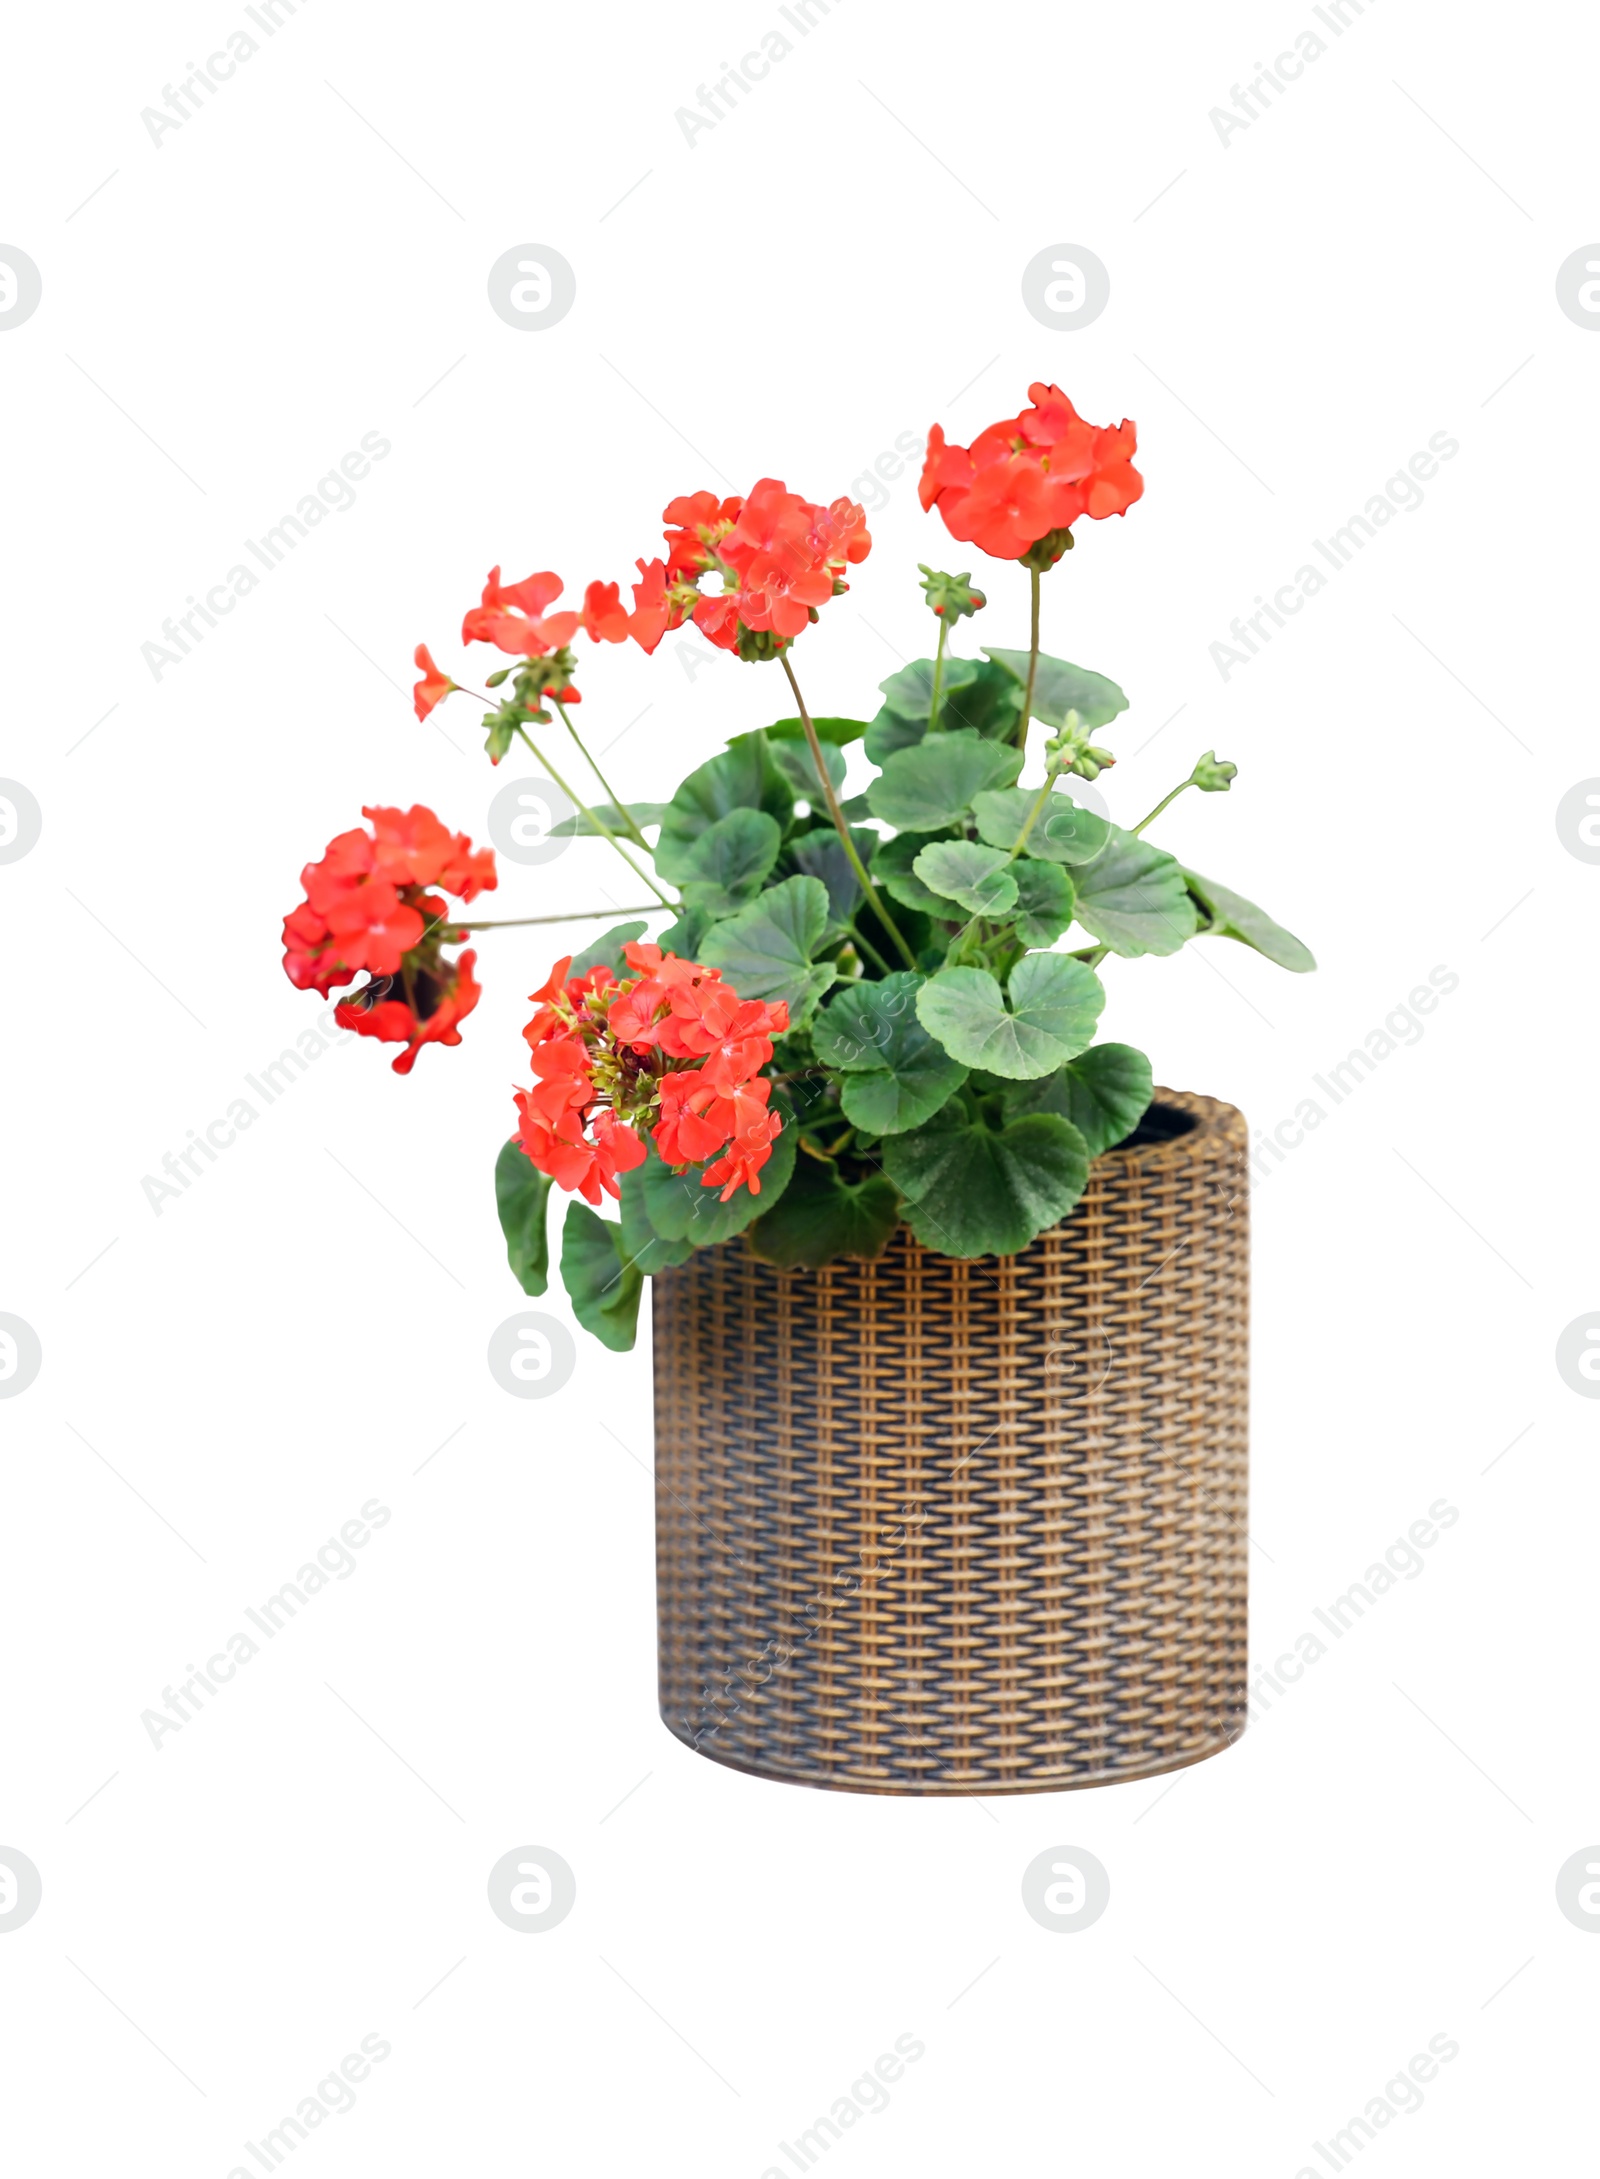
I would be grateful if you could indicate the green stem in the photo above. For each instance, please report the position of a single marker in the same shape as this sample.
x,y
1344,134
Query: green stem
x,y
1039,801
599,824
839,824
567,915
1161,805
615,799
938,676
866,945
1033,659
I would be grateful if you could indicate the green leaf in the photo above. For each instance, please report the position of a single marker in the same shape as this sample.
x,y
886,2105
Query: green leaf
x,y
910,691
933,785
976,1190
1055,1003
989,703
765,950
728,862
795,762
820,1215
896,1076
741,778
1061,833
683,937
974,693
820,854
1044,901
1104,1092
602,1282
641,1243
1232,916
892,730
578,827
1059,688
1133,899
835,732
892,873
975,877
607,951
521,1193
678,1208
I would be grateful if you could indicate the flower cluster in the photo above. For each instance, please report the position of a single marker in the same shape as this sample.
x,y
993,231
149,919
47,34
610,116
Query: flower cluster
x,y
371,907
1024,481
780,559
671,1052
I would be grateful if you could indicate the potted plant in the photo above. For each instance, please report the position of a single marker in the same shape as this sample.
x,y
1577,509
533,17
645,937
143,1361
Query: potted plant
x,y
949,1299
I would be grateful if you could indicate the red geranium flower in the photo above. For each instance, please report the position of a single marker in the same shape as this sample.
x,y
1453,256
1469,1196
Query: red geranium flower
x,y
670,1051
432,1016
780,559
512,616
434,686
1030,476
369,907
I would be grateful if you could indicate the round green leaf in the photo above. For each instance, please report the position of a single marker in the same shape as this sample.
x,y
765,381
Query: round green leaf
x,y
679,1208
765,950
820,853
1054,1005
976,1190
895,1075
725,866
1061,833
821,1216
1104,1092
910,691
1133,898
740,778
932,785
893,873
1059,688
1044,901
974,877
794,760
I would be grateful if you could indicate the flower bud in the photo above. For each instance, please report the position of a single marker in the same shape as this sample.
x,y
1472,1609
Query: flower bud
x,y
1212,777
951,597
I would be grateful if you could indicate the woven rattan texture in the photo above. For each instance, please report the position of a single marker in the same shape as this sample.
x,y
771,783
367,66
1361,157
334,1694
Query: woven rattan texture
x,y
927,1526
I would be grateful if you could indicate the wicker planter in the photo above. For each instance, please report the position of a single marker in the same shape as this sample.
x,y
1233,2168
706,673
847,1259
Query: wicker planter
x,y
936,1527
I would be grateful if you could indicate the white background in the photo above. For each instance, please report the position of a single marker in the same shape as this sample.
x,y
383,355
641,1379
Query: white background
x,y
1294,314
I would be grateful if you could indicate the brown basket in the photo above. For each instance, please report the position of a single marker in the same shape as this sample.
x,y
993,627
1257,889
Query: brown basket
x,y
928,1526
